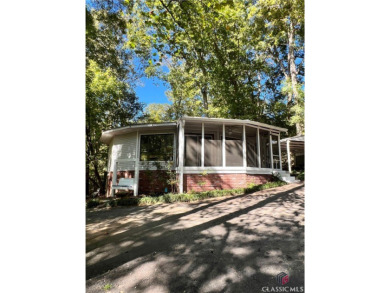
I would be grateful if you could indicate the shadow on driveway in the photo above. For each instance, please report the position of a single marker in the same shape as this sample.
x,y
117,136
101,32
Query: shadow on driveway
x,y
235,244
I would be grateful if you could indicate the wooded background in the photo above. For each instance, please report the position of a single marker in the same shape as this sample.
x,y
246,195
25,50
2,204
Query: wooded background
x,y
219,58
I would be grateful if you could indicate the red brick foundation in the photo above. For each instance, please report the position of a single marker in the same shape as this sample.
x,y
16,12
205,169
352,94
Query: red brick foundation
x,y
156,181
149,181
198,182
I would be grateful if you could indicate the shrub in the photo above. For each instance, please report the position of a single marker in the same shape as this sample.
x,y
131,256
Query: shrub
x,y
93,203
128,201
192,196
113,203
301,176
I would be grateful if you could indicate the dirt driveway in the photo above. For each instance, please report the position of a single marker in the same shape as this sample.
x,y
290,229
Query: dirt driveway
x,y
232,244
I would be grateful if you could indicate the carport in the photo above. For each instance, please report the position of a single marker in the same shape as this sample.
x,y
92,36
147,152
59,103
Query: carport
x,y
294,146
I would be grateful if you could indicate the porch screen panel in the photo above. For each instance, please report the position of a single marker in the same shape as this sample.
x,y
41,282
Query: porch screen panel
x,y
251,147
234,146
264,150
192,150
213,145
193,144
275,151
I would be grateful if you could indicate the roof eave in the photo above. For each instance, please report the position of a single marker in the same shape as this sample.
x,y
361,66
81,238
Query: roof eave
x,y
235,121
109,134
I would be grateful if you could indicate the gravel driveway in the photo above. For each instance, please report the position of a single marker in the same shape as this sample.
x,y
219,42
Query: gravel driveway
x,y
231,244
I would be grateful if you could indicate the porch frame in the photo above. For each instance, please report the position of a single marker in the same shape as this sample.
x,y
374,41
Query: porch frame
x,y
181,169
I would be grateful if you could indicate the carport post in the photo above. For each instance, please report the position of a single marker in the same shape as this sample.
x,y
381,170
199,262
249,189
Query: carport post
x,y
280,153
181,156
202,153
288,156
244,146
223,146
136,167
258,147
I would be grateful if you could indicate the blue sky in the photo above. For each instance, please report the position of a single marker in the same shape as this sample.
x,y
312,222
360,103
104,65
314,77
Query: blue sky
x,y
152,91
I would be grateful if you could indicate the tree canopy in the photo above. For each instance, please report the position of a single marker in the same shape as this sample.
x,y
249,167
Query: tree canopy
x,y
234,59
110,98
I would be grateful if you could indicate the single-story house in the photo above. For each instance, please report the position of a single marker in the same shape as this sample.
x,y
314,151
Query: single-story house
x,y
202,153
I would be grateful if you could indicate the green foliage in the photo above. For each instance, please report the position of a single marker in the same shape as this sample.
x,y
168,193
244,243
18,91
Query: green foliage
x,y
93,203
195,196
225,58
108,286
297,110
112,203
172,176
157,113
301,176
110,99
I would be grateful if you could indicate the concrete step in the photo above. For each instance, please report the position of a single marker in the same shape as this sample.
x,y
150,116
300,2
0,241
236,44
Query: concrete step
x,y
286,177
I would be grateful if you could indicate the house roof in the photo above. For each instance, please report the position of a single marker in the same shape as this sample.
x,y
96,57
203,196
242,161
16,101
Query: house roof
x,y
109,134
234,121
297,143
294,138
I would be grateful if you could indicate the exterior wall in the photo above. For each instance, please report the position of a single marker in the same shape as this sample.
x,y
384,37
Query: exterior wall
x,y
153,181
198,182
156,181
122,147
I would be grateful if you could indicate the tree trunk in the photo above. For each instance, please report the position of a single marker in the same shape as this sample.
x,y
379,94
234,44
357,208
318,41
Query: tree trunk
x,y
291,59
293,70
87,180
97,175
205,98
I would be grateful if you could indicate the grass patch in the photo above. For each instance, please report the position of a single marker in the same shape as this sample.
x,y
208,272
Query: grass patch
x,y
194,196
107,287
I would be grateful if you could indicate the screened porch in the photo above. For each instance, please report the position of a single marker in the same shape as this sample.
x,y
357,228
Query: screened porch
x,y
227,146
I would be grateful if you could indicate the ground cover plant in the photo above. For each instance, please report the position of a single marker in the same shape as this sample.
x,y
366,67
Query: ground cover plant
x,y
188,197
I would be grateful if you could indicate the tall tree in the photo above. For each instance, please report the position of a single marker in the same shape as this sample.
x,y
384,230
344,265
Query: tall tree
x,y
238,56
110,100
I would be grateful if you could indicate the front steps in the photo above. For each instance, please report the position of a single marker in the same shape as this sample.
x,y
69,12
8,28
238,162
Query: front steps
x,y
286,177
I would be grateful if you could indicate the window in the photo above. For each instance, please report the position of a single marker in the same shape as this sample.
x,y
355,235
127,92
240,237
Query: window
x,y
156,147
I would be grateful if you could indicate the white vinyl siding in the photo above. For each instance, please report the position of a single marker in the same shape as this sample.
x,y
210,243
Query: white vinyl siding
x,y
123,147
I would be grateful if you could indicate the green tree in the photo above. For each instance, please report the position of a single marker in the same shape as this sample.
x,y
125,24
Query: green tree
x,y
234,56
157,113
110,100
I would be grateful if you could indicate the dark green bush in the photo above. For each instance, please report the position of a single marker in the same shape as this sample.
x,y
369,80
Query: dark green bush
x,y
301,176
113,203
192,196
128,201
93,203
